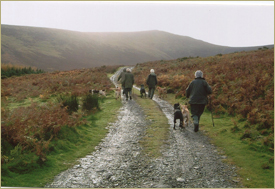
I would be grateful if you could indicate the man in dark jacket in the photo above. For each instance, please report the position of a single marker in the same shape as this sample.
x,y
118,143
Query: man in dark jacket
x,y
120,78
128,82
197,92
151,82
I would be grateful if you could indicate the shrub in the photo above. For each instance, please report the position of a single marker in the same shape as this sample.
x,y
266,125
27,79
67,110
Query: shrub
x,y
34,127
70,102
90,102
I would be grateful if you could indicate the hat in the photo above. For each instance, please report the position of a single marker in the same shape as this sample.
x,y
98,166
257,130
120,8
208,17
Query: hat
x,y
152,70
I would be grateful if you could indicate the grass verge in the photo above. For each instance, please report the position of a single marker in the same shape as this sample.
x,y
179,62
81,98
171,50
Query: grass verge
x,y
255,163
72,144
157,132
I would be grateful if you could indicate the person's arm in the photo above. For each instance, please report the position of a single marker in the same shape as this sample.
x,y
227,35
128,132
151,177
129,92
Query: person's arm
x,y
147,80
119,77
188,90
208,88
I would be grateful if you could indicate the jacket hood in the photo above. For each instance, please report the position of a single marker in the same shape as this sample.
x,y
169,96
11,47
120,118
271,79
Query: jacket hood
x,y
153,74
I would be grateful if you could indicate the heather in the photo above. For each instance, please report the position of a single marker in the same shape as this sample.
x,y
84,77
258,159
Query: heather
x,y
242,84
45,114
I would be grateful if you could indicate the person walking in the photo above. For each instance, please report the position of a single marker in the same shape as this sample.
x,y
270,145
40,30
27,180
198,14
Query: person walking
x,y
197,92
128,82
151,81
120,79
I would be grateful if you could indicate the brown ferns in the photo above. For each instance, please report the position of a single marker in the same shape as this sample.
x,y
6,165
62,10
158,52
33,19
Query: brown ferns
x,y
242,83
35,126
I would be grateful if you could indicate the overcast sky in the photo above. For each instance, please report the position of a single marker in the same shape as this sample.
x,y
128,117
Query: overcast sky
x,y
227,23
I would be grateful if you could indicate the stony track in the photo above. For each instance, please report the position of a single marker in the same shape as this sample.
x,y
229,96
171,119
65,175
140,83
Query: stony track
x,y
189,160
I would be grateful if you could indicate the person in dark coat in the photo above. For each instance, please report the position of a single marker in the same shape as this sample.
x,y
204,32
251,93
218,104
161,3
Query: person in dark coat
x,y
197,92
120,78
128,82
151,82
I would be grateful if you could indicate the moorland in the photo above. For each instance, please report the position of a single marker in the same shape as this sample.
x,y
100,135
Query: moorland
x,y
47,121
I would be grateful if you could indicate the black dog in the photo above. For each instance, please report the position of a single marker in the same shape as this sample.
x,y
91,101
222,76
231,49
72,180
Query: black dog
x,y
178,115
142,91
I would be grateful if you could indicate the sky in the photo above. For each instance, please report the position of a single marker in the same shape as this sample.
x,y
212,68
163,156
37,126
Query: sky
x,y
226,23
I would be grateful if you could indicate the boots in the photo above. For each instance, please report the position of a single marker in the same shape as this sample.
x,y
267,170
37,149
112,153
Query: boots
x,y
196,129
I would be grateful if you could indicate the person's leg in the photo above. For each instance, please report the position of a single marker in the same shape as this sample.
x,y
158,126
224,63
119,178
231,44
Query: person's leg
x,y
123,90
200,110
126,93
130,92
149,92
196,111
152,92
195,116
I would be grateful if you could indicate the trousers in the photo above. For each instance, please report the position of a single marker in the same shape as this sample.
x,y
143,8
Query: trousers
x,y
196,112
151,92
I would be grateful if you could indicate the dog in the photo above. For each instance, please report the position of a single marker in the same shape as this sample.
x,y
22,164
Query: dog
x,y
117,92
101,92
142,91
185,114
178,115
162,92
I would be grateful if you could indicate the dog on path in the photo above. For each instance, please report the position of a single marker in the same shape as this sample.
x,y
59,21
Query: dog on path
x,y
185,114
117,92
142,91
178,115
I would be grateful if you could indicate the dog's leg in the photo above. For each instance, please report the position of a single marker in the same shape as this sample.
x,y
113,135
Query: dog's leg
x,y
184,123
181,123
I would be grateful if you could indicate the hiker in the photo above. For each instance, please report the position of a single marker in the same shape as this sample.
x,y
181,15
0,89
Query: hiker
x,y
120,78
127,82
197,92
151,82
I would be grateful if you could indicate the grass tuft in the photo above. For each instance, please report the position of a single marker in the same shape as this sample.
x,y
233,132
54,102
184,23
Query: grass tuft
x,y
157,132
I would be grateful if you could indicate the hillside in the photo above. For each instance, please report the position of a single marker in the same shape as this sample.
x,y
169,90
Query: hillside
x,y
242,84
53,49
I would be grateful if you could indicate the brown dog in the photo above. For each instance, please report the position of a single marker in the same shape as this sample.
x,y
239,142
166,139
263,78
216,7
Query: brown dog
x,y
117,92
162,92
185,113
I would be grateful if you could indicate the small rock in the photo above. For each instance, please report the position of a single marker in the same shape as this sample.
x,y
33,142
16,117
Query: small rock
x,y
180,180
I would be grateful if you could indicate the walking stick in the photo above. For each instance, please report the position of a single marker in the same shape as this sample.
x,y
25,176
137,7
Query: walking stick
x,y
211,111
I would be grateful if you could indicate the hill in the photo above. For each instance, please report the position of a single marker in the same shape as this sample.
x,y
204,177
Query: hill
x,y
242,84
54,49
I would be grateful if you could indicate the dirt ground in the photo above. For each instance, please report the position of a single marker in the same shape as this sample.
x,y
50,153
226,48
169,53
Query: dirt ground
x,y
188,160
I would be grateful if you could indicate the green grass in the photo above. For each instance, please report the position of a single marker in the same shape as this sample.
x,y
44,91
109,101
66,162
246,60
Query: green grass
x,y
251,159
72,144
157,132
255,162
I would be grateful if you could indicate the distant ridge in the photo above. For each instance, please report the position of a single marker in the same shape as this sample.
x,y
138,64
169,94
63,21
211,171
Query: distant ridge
x,y
55,49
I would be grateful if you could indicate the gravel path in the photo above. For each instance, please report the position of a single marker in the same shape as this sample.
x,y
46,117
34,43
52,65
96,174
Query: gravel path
x,y
188,161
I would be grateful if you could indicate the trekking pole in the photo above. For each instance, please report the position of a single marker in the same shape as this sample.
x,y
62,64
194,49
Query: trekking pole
x,y
211,111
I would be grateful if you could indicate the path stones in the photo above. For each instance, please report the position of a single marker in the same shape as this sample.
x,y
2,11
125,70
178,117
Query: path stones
x,y
188,161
